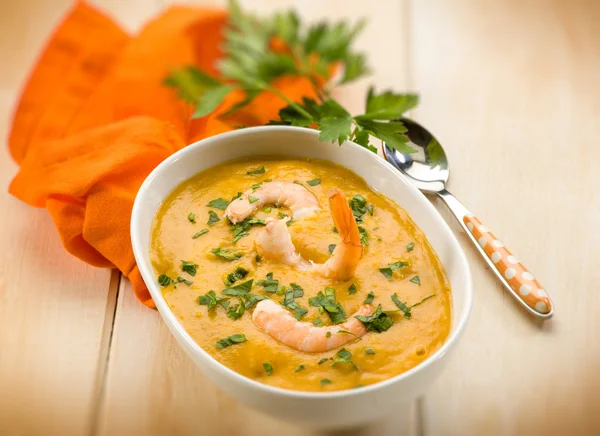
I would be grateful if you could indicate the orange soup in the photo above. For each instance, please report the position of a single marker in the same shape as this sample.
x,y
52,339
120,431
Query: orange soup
x,y
252,264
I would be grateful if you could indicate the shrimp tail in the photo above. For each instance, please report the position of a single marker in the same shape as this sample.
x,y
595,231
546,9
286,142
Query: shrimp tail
x,y
344,221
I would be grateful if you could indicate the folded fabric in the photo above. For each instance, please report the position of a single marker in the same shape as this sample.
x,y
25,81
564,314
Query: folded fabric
x,y
94,119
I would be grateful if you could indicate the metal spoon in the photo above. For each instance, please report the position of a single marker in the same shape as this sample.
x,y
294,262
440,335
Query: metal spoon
x,y
428,170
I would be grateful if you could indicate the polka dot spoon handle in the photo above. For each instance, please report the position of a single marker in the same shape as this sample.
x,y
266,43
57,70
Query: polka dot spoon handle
x,y
512,273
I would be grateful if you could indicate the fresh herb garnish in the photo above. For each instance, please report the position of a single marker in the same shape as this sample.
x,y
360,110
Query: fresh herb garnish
x,y
352,289
236,311
269,284
325,382
300,368
182,280
378,321
241,289
164,280
328,334
200,233
370,210
251,299
331,248
254,188
236,275
327,302
364,235
240,229
410,246
219,203
388,271
344,356
213,218
267,210
402,306
252,199
369,351
189,267
238,195
358,204
314,182
261,170
323,360
416,280
226,254
211,299
346,332
295,291
318,322
281,215
192,217
423,300
369,298
268,368
238,338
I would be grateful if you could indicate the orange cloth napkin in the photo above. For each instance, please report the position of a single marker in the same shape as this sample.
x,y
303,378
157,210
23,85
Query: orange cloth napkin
x,y
94,119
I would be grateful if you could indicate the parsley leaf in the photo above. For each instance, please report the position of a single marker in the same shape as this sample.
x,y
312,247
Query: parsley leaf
x,y
369,351
226,254
190,83
236,275
388,105
252,199
364,235
329,305
331,248
388,271
378,321
241,289
240,229
192,217
213,218
318,322
358,204
189,267
268,368
238,338
295,291
261,170
269,285
251,299
390,132
325,382
323,360
416,280
219,203
314,182
236,311
164,280
410,246
344,356
402,306
335,123
200,233
182,280
211,299
300,368
369,298
352,289
423,300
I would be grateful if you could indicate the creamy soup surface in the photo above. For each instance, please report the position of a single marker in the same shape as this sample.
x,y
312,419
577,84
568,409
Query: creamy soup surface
x,y
388,235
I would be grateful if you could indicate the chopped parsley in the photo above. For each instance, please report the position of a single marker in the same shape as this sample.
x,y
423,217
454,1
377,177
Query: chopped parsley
x,y
369,298
346,332
369,351
238,338
295,291
255,187
251,299
200,233
189,267
192,217
352,289
182,280
358,204
318,322
323,360
300,368
423,300
388,271
328,304
240,229
236,311
270,285
211,299
236,275
416,280
335,230
364,235
410,246
331,248
408,309
328,334
213,218
378,321
281,215
252,199
325,382
344,356
314,182
370,209
226,254
219,203
164,280
261,170
268,368
235,197
241,289
267,209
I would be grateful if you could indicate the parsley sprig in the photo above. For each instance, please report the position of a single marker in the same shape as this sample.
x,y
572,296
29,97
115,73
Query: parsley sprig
x,y
259,50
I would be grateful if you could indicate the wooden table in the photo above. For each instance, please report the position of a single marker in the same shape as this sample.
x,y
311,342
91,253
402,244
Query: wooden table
x,y
510,88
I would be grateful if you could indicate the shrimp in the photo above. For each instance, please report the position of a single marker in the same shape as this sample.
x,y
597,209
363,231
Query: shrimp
x,y
300,200
274,242
278,323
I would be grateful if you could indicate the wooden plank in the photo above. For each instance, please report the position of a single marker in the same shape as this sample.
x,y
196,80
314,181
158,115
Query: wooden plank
x,y
152,386
510,88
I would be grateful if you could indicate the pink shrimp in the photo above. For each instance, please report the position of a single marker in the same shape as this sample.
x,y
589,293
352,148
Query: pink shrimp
x,y
279,323
300,200
274,242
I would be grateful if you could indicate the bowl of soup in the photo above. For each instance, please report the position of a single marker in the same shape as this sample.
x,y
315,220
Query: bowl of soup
x,y
308,280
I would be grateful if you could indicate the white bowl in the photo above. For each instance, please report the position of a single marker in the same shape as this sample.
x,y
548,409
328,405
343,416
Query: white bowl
x,y
328,409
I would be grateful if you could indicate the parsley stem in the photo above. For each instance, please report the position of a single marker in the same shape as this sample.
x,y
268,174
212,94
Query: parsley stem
x,y
290,102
